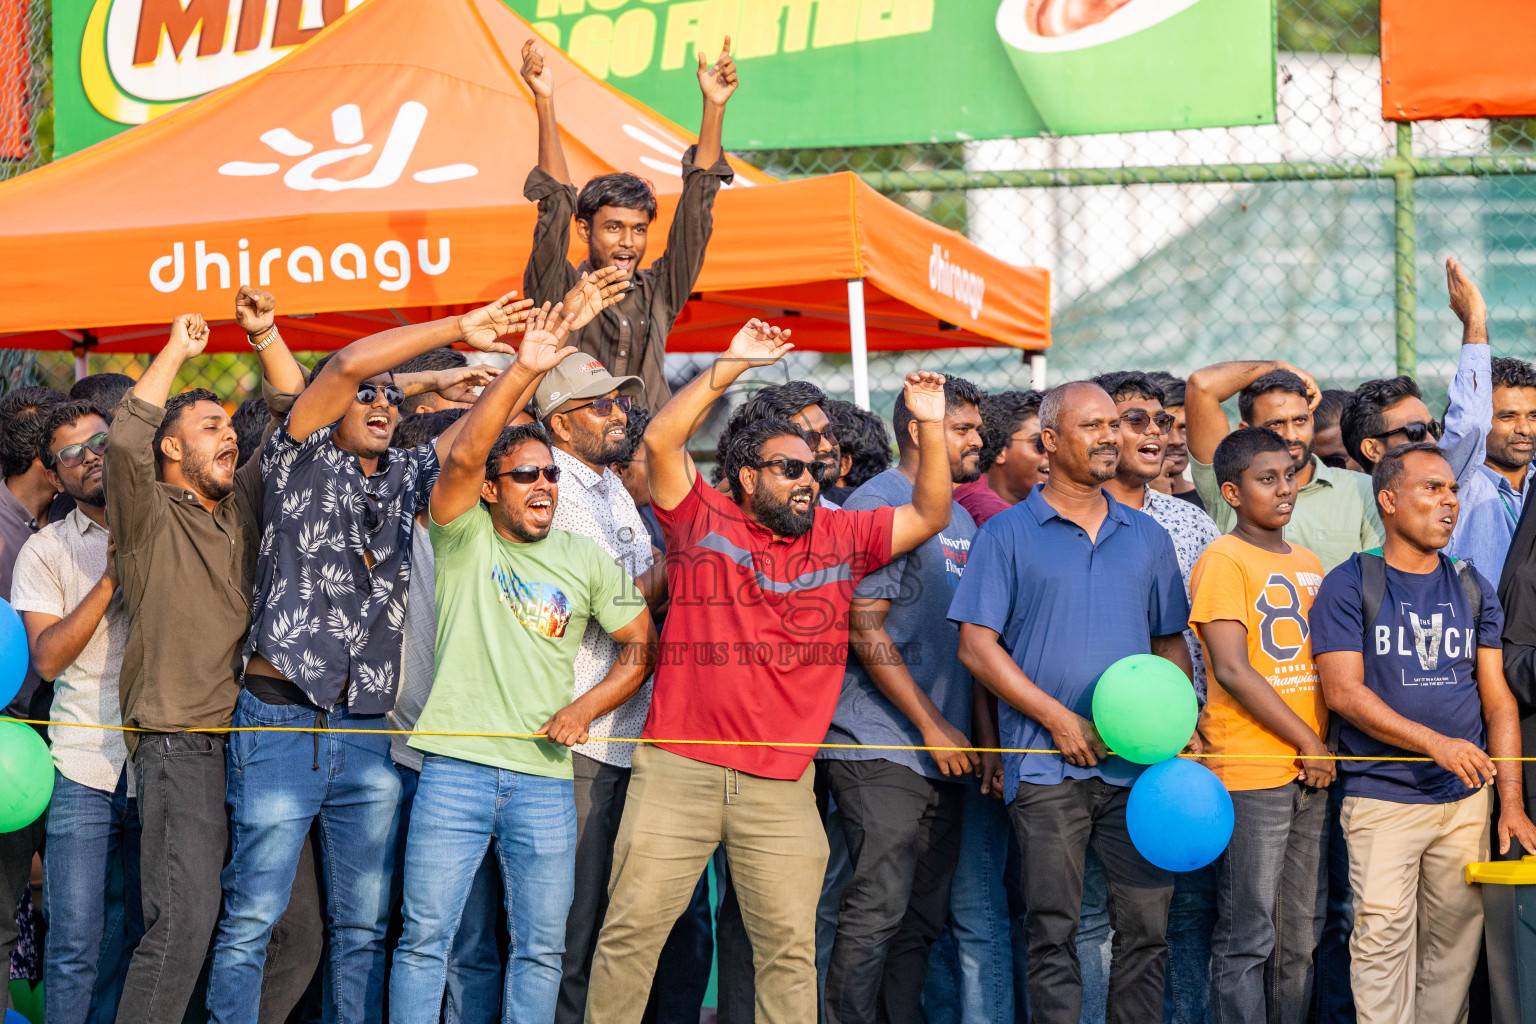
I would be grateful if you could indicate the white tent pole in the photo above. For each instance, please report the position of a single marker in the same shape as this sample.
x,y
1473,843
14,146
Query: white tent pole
x,y
858,343
1037,371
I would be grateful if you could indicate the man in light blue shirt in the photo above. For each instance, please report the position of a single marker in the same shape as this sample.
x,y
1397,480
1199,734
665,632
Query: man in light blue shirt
x,y
1493,496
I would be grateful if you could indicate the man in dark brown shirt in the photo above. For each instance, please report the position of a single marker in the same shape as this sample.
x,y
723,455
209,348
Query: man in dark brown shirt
x,y
613,214
186,544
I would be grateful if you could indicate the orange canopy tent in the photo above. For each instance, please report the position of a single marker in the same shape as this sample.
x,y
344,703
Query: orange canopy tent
x,y
373,177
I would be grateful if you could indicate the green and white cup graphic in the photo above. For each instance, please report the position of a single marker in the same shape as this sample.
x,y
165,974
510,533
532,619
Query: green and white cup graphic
x,y
1110,66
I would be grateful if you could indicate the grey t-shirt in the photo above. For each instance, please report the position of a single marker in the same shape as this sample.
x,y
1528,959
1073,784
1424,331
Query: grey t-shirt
x,y
919,586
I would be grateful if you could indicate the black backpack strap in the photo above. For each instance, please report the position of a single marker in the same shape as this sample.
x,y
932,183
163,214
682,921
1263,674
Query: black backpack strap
x,y
1474,591
1373,591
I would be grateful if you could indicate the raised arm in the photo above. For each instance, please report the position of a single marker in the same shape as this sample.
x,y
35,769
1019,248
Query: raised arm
x,y
1469,409
717,82
255,312
541,82
328,397
671,469
928,512
1205,422
1342,674
188,338
463,466
1501,716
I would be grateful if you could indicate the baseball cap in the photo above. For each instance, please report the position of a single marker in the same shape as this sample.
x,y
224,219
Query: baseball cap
x,y
581,376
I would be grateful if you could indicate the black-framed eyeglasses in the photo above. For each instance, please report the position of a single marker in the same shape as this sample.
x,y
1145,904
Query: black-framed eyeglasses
x,y
71,455
394,394
529,474
1139,419
604,406
794,469
813,438
1414,432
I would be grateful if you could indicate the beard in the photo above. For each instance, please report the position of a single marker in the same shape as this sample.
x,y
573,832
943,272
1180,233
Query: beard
x,y
596,449
1105,473
96,497
1305,457
199,469
1505,457
780,517
958,473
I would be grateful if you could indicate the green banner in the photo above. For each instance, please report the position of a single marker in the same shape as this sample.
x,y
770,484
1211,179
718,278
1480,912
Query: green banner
x,y
814,72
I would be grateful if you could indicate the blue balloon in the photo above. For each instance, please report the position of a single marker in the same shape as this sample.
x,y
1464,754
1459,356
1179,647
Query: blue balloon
x,y
1179,815
12,1016
13,653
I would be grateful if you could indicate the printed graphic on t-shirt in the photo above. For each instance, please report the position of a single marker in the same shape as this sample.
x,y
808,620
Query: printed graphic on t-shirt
x,y
956,551
1425,634
542,607
1283,629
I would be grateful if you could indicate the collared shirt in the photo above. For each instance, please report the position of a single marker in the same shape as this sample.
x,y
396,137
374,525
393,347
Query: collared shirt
x,y
1335,514
1490,511
420,647
598,506
1066,608
324,617
756,637
54,573
1191,531
17,525
629,337
185,577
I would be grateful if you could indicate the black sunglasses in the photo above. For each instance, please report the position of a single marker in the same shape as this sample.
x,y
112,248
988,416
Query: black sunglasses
x,y
1414,432
71,455
793,469
1139,419
394,394
813,438
604,406
528,474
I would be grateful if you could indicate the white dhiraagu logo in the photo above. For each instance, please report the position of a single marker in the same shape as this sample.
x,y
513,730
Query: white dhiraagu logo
x,y
955,282
660,141
347,130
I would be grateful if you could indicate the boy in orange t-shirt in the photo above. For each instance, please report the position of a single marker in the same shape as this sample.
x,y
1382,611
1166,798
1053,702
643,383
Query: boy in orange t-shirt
x,y
1250,594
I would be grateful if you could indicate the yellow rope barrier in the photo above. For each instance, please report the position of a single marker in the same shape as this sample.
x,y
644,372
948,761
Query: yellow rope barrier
x,y
714,743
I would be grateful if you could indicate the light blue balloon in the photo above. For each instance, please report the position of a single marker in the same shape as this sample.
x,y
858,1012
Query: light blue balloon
x,y
13,653
12,1017
1179,815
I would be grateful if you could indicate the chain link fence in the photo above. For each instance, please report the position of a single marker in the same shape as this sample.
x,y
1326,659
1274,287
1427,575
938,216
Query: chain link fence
x,y
1318,239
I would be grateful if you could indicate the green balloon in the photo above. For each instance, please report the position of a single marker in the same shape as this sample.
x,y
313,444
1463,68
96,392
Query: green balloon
x,y
1144,708
26,776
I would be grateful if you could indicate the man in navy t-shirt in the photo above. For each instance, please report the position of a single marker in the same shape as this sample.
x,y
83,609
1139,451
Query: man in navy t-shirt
x,y
1424,678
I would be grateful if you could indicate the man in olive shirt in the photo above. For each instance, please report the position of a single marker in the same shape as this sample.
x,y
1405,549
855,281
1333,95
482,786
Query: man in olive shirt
x,y
613,216
186,546
1335,513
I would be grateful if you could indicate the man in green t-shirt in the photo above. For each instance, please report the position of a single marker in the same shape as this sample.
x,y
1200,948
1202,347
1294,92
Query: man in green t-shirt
x,y
513,599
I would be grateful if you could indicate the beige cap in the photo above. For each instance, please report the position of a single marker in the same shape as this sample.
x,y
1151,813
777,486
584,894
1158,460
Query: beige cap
x,y
581,376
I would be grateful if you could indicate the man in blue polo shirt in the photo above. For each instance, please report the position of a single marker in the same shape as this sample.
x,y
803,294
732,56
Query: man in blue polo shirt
x,y
1057,589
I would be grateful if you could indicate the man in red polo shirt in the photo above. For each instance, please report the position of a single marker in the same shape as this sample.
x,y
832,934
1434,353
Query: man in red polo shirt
x,y
754,648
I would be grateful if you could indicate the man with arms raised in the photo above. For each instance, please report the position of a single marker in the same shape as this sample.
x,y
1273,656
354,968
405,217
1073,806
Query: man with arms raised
x,y
613,216
766,665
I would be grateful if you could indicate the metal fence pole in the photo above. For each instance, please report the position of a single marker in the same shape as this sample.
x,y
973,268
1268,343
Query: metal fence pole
x,y
1405,245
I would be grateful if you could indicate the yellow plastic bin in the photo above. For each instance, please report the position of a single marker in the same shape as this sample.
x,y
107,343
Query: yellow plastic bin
x,y
1509,922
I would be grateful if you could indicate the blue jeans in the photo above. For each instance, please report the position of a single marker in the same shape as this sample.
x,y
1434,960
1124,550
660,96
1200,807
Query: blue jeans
x,y
1271,899
1094,937
1191,916
90,832
275,792
1335,995
461,808
474,966
972,967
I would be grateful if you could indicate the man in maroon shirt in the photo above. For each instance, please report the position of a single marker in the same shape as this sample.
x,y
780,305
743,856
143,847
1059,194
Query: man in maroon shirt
x,y
1012,461
754,648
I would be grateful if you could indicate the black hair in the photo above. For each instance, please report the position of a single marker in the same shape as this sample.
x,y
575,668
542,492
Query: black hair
x,y
508,441
250,420
418,428
638,418
1365,413
624,190
105,389
1281,381
745,448
1173,387
1129,384
23,415
1386,473
66,414
861,436
774,402
1001,415
957,392
1329,409
1238,450
1513,373
173,411
432,359
320,365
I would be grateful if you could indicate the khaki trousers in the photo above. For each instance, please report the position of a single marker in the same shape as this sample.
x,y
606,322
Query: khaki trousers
x,y
1418,924
677,813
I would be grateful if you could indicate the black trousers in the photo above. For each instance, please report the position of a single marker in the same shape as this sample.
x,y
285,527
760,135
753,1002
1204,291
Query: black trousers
x,y
1054,826
903,832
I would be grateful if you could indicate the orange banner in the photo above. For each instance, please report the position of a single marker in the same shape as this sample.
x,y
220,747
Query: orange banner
x,y
1469,59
